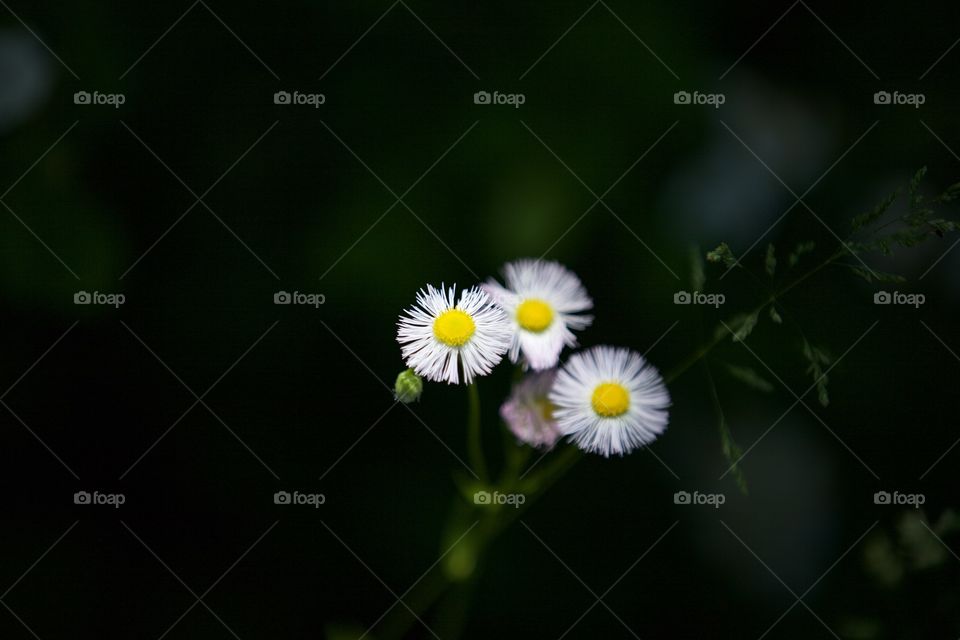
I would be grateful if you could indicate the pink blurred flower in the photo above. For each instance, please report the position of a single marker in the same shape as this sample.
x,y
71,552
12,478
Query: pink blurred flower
x,y
528,411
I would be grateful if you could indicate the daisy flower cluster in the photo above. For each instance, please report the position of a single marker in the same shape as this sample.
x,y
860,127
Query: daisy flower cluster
x,y
606,400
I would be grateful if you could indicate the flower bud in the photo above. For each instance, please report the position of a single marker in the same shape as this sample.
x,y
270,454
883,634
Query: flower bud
x,y
408,387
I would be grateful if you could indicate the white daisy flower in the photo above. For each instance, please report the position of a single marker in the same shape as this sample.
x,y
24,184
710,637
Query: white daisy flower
x,y
545,301
528,411
439,338
610,401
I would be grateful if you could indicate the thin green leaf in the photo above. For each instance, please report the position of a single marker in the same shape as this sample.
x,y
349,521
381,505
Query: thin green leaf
x,y
750,378
697,276
771,261
732,453
722,254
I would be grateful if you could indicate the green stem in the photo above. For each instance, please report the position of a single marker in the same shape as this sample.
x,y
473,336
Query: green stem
x,y
478,461
436,584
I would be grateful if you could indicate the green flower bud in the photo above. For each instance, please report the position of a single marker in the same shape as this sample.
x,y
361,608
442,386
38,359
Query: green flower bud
x,y
408,387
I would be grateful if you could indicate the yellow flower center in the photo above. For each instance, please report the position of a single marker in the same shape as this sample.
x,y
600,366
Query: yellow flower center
x,y
545,408
534,315
610,399
453,328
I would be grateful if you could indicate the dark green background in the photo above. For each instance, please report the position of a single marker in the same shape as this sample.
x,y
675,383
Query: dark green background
x,y
399,99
